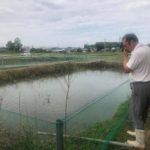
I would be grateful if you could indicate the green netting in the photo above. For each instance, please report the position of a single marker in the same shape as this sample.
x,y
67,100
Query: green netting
x,y
22,61
115,129
94,111
85,122
14,121
95,122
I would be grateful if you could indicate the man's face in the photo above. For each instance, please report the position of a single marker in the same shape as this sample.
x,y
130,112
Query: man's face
x,y
127,46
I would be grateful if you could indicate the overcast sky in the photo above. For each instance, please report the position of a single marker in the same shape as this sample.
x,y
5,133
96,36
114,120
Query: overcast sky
x,y
72,22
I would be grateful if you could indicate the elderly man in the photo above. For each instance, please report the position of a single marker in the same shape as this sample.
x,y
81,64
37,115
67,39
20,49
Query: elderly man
x,y
138,67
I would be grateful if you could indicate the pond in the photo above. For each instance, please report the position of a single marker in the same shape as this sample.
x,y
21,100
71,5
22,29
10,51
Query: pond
x,y
46,98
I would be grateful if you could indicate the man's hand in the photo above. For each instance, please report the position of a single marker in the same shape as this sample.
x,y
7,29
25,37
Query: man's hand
x,y
126,69
126,53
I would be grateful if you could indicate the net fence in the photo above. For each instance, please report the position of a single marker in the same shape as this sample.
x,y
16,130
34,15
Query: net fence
x,y
102,118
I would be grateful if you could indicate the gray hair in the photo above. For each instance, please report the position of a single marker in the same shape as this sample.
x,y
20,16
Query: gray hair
x,y
130,37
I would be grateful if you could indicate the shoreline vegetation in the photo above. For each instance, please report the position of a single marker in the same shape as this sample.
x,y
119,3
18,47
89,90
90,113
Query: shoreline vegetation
x,y
58,69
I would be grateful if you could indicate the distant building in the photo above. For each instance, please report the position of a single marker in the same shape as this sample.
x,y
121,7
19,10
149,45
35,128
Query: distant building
x,y
107,46
25,51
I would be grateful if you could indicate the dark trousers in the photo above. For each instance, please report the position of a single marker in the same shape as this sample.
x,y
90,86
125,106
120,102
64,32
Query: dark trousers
x,y
140,103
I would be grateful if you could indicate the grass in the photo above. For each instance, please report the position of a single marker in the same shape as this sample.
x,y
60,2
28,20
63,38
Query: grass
x,y
25,139
17,59
102,130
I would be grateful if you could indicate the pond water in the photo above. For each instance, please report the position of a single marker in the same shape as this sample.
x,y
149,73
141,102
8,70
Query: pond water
x,y
46,98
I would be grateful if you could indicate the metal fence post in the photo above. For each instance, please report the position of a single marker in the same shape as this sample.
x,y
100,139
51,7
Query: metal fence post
x,y
59,135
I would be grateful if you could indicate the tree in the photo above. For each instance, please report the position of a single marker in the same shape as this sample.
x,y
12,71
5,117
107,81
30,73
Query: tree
x,y
17,44
10,46
14,46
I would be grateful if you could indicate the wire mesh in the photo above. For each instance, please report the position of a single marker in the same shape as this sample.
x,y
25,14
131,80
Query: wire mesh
x,y
89,121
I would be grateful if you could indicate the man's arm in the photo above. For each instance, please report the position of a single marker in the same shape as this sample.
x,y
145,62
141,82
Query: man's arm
x,y
125,61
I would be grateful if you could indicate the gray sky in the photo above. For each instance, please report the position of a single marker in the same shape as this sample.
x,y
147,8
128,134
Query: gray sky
x,y
72,22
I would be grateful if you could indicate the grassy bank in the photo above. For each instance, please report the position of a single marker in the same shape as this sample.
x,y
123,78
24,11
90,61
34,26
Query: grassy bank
x,y
58,69
112,129
12,57
15,60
